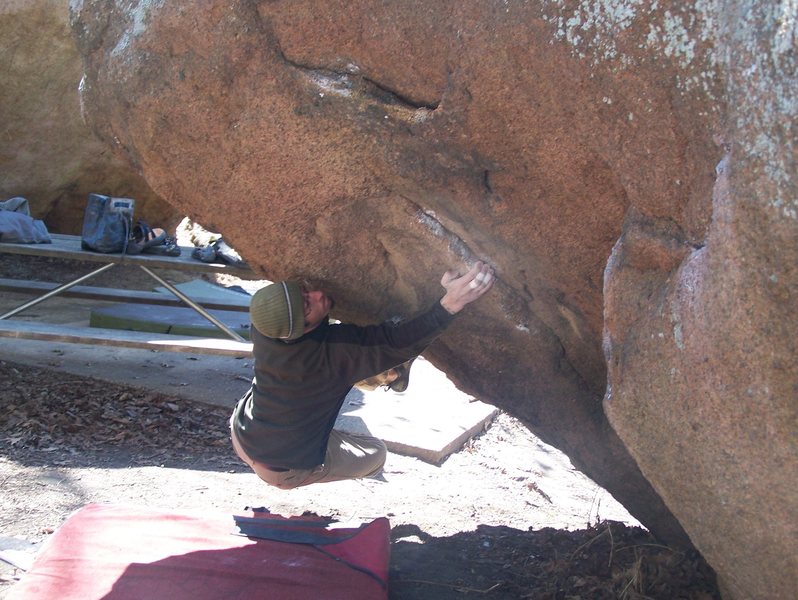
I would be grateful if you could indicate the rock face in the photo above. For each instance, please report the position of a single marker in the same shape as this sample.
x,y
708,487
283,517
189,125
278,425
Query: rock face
x,y
47,153
368,146
701,339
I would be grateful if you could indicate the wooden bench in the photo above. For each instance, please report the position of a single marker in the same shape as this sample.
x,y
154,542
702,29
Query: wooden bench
x,y
130,339
110,294
68,247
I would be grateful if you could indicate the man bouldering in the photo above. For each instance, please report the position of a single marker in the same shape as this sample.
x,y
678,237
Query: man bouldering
x,y
305,366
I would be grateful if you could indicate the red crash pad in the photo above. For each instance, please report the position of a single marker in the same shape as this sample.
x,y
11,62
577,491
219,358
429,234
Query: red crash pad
x,y
121,553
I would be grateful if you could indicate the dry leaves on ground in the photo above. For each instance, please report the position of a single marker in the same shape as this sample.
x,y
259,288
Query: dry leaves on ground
x,y
67,421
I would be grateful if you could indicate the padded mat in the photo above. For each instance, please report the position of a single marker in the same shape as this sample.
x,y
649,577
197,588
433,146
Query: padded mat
x,y
126,553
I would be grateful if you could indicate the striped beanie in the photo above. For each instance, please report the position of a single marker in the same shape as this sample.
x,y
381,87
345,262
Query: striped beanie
x,y
277,310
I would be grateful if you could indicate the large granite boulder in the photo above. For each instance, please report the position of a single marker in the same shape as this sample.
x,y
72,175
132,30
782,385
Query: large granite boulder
x,y
368,146
47,153
701,339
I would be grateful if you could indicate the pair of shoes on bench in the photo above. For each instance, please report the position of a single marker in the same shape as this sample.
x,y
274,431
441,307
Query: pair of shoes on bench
x,y
219,251
145,239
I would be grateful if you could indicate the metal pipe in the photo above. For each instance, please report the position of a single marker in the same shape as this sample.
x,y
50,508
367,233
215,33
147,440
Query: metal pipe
x,y
194,305
56,291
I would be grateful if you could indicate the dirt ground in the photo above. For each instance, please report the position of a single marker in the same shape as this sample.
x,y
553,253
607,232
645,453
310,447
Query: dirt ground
x,y
505,518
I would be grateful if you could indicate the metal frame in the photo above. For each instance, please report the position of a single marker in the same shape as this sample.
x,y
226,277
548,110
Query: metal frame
x,y
68,247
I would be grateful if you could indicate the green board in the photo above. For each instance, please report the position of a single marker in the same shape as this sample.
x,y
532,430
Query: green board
x,y
168,319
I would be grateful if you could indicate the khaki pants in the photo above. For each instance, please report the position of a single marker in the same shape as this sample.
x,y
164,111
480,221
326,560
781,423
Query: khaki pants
x,y
349,456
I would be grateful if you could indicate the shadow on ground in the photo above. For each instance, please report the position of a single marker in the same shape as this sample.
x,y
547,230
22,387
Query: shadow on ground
x,y
607,561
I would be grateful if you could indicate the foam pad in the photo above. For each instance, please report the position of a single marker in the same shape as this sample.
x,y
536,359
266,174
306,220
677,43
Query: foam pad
x,y
121,552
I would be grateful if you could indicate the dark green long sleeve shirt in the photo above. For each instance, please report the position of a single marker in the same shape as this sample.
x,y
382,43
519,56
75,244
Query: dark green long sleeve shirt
x,y
299,387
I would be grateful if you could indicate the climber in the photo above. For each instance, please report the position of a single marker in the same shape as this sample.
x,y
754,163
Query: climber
x,y
304,368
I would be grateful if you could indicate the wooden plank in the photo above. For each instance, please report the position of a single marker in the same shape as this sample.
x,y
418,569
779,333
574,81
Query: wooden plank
x,y
68,247
111,294
128,339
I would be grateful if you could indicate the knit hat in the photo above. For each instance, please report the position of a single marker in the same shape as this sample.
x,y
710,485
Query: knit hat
x,y
277,310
